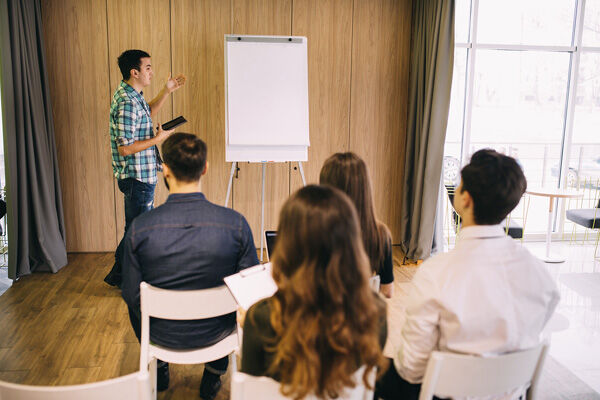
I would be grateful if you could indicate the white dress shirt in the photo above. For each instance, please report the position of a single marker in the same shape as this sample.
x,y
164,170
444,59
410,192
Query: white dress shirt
x,y
487,296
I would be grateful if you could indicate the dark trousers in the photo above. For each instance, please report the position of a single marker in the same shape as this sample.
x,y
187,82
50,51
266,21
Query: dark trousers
x,y
139,198
393,386
217,367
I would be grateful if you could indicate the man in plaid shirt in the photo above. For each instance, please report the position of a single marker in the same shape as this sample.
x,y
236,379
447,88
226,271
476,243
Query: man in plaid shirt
x,y
135,156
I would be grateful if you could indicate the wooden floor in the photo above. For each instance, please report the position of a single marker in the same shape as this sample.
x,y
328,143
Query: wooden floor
x,y
70,327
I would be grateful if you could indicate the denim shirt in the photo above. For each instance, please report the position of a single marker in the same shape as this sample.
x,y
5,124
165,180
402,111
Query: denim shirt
x,y
185,244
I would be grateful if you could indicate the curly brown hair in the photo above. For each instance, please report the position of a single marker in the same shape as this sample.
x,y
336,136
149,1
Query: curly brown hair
x,y
325,316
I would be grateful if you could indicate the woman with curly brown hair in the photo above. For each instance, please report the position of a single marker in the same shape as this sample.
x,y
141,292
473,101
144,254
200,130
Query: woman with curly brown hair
x,y
324,322
348,172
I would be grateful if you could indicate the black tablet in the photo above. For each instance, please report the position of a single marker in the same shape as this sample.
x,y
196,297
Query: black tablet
x,y
174,123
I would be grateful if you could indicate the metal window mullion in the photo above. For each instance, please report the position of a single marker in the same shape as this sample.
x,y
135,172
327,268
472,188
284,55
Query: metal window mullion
x,y
589,49
570,107
523,47
468,106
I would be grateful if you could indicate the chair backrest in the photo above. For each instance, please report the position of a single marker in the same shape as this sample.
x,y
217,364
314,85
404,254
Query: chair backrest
x,y
134,386
248,387
375,282
456,375
185,304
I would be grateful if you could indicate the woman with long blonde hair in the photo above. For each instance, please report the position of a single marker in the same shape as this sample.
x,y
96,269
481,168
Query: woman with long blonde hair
x,y
348,172
324,322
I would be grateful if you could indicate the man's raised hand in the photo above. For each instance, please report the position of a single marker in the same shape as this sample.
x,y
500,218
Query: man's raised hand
x,y
175,83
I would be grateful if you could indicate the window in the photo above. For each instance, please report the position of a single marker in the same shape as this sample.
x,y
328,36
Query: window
x,y
527,83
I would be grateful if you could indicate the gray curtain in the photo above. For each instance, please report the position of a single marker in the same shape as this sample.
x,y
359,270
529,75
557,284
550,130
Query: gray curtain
x,y
36,233
432,58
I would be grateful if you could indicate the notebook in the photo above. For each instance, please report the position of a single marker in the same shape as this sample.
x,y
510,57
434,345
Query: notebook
x,y
251,285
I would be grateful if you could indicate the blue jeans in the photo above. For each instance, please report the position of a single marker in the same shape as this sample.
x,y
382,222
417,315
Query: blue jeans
x,y
139,198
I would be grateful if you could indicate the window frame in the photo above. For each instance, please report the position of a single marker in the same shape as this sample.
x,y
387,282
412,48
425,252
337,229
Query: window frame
x,y
575,50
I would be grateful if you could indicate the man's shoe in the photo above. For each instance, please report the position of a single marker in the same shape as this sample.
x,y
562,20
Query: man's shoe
x,y
162,376
210,385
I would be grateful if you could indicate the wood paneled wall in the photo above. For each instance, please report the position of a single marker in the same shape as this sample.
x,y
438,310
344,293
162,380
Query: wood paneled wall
x,y
358,54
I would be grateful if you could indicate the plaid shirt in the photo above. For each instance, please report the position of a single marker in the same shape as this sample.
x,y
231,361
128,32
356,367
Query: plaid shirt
x,y
130,121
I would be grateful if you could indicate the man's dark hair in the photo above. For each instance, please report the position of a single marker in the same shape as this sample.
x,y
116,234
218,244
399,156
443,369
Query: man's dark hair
x,y
130,59
495,182
185,155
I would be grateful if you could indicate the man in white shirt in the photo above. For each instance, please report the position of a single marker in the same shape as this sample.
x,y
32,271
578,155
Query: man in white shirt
x,y
487,296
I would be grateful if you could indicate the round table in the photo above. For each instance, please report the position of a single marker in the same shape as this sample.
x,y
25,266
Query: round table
x,y
553,193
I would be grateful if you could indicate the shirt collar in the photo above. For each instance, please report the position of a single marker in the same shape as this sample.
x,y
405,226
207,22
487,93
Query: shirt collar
x,y
129,89
481,232
186,196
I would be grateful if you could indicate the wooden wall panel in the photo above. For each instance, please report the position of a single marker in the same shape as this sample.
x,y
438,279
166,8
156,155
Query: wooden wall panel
x,y
76,53
358,82
328,26
379,103
261,17
198,28
144,25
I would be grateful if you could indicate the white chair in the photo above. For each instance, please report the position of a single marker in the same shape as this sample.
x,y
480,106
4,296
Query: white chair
x,y
129,387
375,282
456,375
249,387
184,305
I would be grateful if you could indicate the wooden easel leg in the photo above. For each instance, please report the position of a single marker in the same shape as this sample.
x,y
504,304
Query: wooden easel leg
x,y
301,172
233,165
262,213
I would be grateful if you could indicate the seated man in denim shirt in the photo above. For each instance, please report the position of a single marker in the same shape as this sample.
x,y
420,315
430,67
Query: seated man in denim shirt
x,y
185,244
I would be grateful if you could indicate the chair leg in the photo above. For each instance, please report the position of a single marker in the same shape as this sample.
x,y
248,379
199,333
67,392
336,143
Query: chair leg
x,y
573,234
233,362
525,214
596,255
152,372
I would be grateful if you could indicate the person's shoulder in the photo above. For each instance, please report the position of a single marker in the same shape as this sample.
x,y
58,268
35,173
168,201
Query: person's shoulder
x,y
438,261
260,312
121,98
526,258
149,217
226,213
435,270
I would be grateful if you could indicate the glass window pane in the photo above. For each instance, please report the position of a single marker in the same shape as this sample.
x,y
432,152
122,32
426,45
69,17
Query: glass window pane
x,y
454,129
584,163
519,104
591,26
454,134
462,16
521,22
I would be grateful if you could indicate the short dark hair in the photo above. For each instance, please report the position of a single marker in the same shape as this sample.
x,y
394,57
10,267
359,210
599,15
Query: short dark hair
x,y
185,155
130,59
496,184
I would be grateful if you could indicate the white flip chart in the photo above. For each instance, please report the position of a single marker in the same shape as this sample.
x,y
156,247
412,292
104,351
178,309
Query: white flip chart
x,y
266,98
